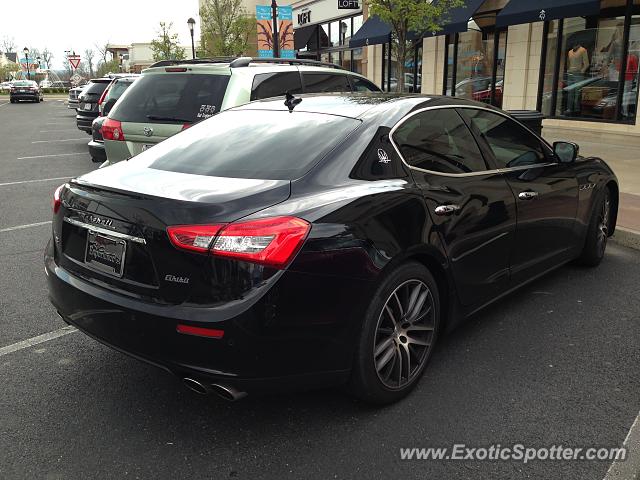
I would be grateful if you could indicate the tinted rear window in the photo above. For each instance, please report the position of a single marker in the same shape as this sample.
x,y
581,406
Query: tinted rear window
x,y
24,83
325,82
96,88
274,145
266,85
188,97
118,88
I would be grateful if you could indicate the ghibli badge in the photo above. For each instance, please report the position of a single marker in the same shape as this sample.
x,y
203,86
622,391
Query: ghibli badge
x,y
174,279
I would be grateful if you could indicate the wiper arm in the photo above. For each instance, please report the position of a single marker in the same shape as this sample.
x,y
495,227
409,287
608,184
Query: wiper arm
x,y
168,119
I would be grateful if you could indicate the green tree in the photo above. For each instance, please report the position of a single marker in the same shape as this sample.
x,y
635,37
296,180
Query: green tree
x,y
226,28
407,16
166,46
111,66
7,70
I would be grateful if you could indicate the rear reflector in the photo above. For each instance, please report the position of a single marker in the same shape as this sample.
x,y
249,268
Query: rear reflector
x,y
112,130
55,201
199,331
196,238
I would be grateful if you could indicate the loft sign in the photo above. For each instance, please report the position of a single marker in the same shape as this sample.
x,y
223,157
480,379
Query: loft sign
x,y
304,17
348,4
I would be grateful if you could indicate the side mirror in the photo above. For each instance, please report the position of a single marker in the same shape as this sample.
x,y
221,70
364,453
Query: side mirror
x,y
567,152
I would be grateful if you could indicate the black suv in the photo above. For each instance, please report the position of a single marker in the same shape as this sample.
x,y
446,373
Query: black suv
x,y
88,103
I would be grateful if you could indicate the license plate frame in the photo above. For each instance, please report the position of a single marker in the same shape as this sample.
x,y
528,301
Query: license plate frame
x,y
111,247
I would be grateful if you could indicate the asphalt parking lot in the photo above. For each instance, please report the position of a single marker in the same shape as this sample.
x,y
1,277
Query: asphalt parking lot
x,y
556,363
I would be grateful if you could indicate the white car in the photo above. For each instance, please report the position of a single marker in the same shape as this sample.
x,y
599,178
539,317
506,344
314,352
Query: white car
x,y
5,86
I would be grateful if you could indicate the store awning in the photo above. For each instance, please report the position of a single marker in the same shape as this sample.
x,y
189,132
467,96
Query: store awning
x,y
373,32
517,12
456,20
301,36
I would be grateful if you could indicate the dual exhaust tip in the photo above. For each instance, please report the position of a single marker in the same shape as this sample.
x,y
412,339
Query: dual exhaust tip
x,y
227,392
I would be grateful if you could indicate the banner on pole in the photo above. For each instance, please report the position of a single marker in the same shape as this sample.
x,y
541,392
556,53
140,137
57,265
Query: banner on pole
x,y
264,19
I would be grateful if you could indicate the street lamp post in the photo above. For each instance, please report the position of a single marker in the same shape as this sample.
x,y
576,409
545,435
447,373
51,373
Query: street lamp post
x,y
276,38
192,23
26,56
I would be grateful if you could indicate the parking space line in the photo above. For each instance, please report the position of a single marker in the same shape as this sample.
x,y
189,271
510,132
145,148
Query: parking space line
x,y
66,140
21,227
630,466
56,155
55,131
33,181
30,342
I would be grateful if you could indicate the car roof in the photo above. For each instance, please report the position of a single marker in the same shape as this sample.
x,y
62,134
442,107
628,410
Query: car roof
x,y
387,107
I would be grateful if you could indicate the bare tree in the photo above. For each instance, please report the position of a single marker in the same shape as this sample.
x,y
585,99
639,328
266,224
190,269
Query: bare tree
x,y
103,51
47,56
8,44
89,54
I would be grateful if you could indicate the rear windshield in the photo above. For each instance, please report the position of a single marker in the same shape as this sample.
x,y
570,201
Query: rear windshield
x,y
118,89
24,83
263,144
96,88
181,97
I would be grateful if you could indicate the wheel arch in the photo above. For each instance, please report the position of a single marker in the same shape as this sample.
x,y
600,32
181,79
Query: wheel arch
x,y
614,193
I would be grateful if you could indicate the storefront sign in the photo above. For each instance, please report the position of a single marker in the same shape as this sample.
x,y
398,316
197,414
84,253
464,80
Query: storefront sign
x,y
304,17
266,41
348,4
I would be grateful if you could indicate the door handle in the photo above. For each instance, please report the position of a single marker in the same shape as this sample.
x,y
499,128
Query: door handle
x,y
446,209
528,195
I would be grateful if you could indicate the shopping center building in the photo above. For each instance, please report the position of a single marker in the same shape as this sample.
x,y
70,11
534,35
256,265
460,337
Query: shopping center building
x,y
576,61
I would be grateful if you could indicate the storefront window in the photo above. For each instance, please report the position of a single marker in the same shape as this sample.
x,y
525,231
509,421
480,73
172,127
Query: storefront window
x,y
594,71
476,65
357,54
334,30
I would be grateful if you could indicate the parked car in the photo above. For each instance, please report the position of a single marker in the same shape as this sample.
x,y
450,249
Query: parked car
x,y
110,96
74,93
171,96
25,90
5,86
87,109
321,240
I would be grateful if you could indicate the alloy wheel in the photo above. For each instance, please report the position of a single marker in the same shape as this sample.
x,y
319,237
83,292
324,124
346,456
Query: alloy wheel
x,y
404,334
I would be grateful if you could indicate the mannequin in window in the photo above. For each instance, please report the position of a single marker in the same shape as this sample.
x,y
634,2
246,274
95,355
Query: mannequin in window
x,y
577,67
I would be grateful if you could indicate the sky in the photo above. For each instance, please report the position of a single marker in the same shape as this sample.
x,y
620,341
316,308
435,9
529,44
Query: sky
x,y
65,25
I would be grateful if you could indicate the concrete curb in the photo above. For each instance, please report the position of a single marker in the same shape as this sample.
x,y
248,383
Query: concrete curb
x,y
627,237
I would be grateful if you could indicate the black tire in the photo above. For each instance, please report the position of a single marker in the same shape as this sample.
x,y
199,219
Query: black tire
x,y
12,100
382,381
598,231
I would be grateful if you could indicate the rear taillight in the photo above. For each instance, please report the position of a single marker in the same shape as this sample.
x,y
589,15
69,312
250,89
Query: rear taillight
x,y
186,125
196,238
112,130
268,241
176,69
55,201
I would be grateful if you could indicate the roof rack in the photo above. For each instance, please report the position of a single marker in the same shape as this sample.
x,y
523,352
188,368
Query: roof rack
x,y
245,61
194,61
236,62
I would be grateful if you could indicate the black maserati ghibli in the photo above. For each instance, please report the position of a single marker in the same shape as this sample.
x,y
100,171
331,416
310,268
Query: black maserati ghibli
x,y
321,240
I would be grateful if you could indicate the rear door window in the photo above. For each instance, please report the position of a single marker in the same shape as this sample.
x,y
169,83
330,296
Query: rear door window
x,y
325,82
171,98
266,85
362,85
95,88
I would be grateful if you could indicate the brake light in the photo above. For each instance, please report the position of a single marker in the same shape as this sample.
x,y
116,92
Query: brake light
x,y
104,94
196,238
268,241
175,69
112,130
56,202
186,125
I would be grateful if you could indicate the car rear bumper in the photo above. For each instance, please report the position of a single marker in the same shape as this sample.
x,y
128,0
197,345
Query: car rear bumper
x,y
84,121
258,350
24,96
96,150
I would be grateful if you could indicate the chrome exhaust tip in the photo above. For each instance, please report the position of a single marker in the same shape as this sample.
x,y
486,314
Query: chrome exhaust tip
x,y
227,392
195,386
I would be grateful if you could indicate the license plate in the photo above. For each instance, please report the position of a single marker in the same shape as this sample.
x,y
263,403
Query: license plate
x,y
147,146
105,253
23,91
88,106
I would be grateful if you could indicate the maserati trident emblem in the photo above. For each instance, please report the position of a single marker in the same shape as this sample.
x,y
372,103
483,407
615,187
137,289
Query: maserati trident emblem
x,y
543,15
148,131
382,156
